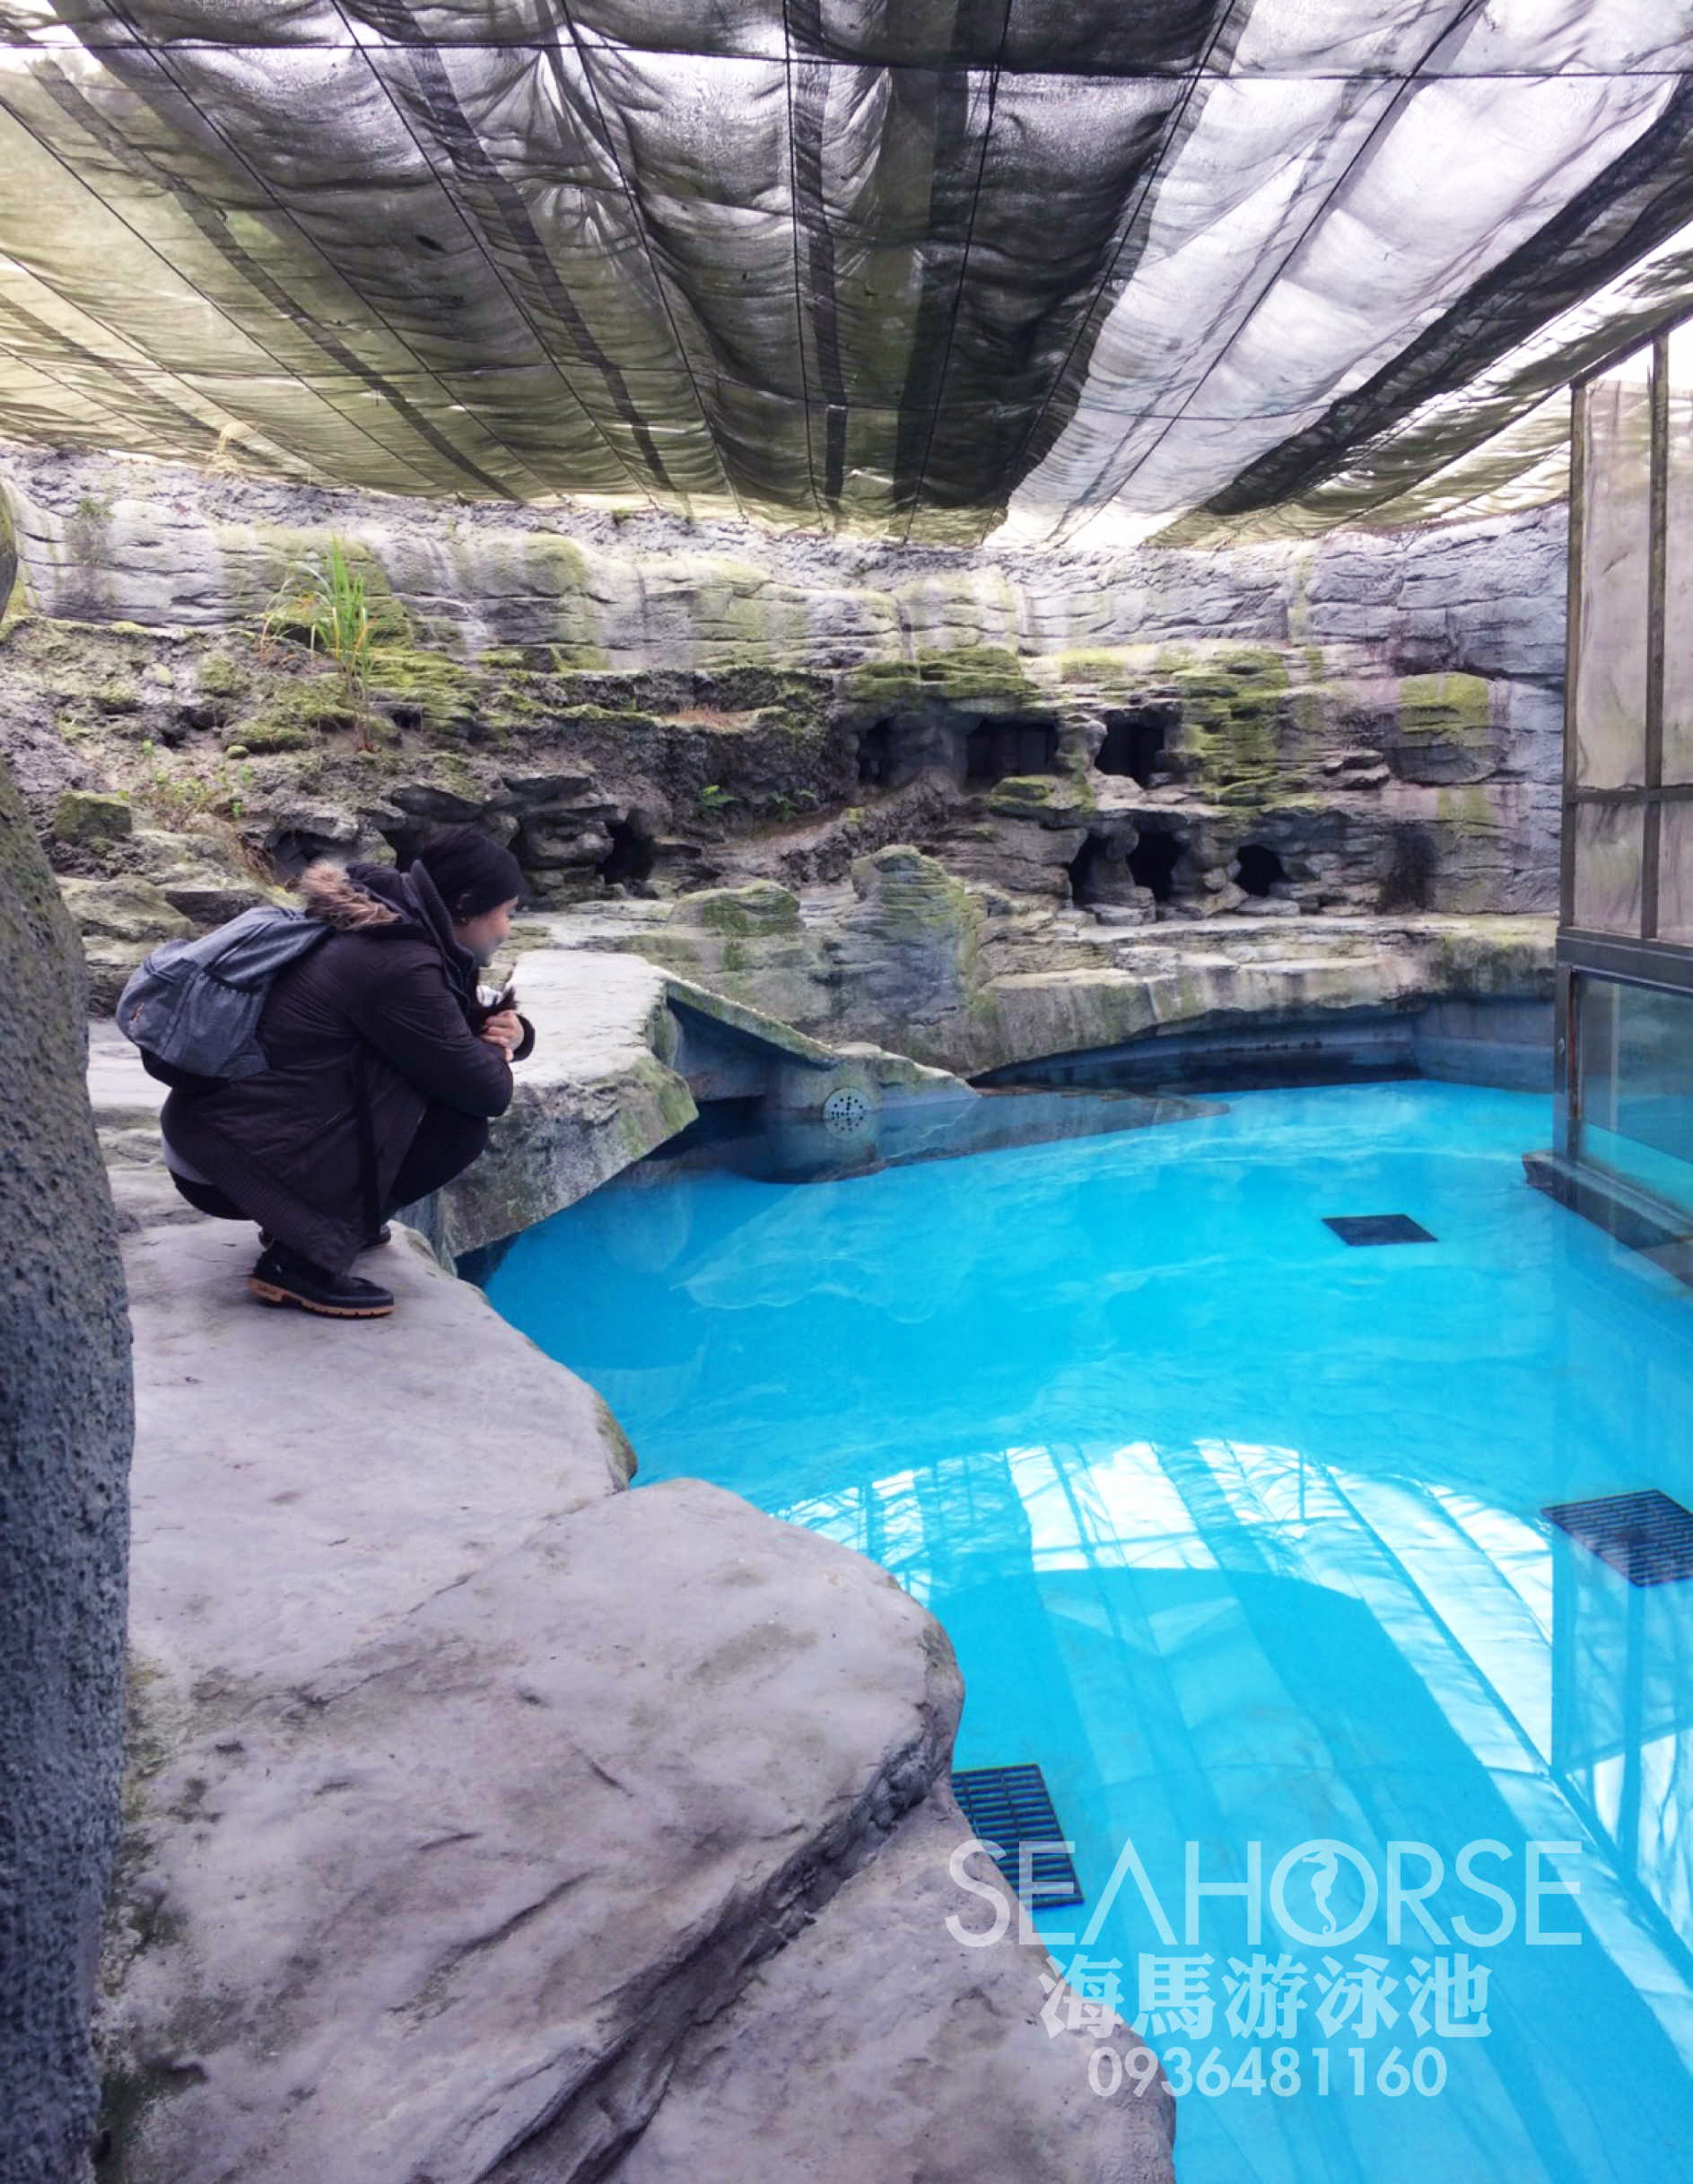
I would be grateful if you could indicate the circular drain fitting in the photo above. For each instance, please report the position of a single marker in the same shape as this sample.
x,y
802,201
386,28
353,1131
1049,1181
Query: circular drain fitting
x,y
846,1113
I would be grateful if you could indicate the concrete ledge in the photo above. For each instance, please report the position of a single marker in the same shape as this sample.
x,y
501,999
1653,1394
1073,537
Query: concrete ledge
x,y
916,2037
466,1789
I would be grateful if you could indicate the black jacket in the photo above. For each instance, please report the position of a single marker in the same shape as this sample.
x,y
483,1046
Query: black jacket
x,y
383,1012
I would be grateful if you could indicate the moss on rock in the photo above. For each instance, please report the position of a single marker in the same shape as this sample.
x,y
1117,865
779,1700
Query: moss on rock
x,y
1447,708
1232,706
735,914
86,815
219,677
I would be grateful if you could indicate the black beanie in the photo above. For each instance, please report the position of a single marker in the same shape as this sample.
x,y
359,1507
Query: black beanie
x,y
471,873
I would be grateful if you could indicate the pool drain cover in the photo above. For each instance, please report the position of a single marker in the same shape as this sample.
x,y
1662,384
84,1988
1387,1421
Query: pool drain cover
x,y
1376,1228
1011,1806
1648,1537
846,1113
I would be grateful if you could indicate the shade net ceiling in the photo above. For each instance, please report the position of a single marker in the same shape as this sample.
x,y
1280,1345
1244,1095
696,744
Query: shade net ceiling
x,y
1086,270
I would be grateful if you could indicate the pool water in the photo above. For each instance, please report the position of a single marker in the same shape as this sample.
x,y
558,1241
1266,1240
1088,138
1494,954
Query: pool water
x,y
1235,1530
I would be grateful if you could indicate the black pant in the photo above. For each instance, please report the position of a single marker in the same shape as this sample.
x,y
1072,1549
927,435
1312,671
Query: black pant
x,y
448,1140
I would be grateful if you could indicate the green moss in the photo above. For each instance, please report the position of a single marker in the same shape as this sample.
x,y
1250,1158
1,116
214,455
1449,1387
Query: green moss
x,y
454,770
219,677
292,714
1103,669
117,696
759,911
598,716
915,898
1467,810
617,1444
272,735
957,675
1026,788
675,1102
886,684
439,692
975,670
1232,710
83,815
1445,708
1018,794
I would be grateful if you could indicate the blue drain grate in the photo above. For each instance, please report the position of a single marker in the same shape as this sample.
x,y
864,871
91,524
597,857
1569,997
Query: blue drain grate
x,y
1648,1537
1011,1806
1376,1228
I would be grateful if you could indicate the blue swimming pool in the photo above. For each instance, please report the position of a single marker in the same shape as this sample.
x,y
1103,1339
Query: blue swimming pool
x,y
1236,1529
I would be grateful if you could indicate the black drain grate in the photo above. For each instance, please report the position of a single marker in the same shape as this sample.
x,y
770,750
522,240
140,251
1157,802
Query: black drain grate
x,y
1376,1228
1011,1806
1648,1537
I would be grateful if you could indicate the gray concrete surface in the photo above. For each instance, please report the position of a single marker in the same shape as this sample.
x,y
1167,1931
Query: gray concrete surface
x,y
467,1786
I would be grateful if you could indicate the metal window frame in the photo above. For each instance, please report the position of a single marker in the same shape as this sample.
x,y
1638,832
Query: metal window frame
x,y
1583,956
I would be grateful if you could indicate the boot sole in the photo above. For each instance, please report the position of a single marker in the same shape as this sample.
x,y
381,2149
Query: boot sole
x,y
269,1293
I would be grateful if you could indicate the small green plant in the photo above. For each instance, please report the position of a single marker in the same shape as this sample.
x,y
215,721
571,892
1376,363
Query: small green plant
x,y
326,602
712,801
197,803
179,801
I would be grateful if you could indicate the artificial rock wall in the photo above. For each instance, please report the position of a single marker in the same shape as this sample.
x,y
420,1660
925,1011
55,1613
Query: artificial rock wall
x,y
66,1428
1371,723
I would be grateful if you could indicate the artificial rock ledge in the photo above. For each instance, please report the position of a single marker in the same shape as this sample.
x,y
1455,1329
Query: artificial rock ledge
x,y
475,1803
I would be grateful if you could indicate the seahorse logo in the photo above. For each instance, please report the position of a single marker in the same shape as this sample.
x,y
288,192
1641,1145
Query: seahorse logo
x,y
1323,1880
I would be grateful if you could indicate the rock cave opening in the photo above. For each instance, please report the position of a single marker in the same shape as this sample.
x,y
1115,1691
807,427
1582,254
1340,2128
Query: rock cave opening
x,y
1135,741
1153,861
998,750
876,756
1258,870
1412,859
632,852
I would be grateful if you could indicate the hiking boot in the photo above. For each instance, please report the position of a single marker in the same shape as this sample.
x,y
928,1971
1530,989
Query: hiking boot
x,y
282,1277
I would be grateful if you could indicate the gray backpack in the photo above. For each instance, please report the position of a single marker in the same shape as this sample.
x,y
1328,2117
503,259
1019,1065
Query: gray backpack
x,y
193,1007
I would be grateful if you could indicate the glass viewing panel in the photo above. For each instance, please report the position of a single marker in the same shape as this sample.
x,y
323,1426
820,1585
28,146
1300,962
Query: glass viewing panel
x,y
1614,419
1678,557
1635,1074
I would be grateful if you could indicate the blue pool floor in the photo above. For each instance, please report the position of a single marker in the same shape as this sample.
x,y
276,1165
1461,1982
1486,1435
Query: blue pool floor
x,y
1235,1531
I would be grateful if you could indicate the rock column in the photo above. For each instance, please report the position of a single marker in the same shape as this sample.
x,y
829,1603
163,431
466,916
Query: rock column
x,y
66,1428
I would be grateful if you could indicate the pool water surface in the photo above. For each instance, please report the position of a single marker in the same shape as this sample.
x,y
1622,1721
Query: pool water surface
x,y
1236,1529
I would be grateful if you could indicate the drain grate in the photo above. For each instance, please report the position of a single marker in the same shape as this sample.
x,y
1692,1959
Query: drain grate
x,y
845,1112
1376,1228
1011,1806
1648,1537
